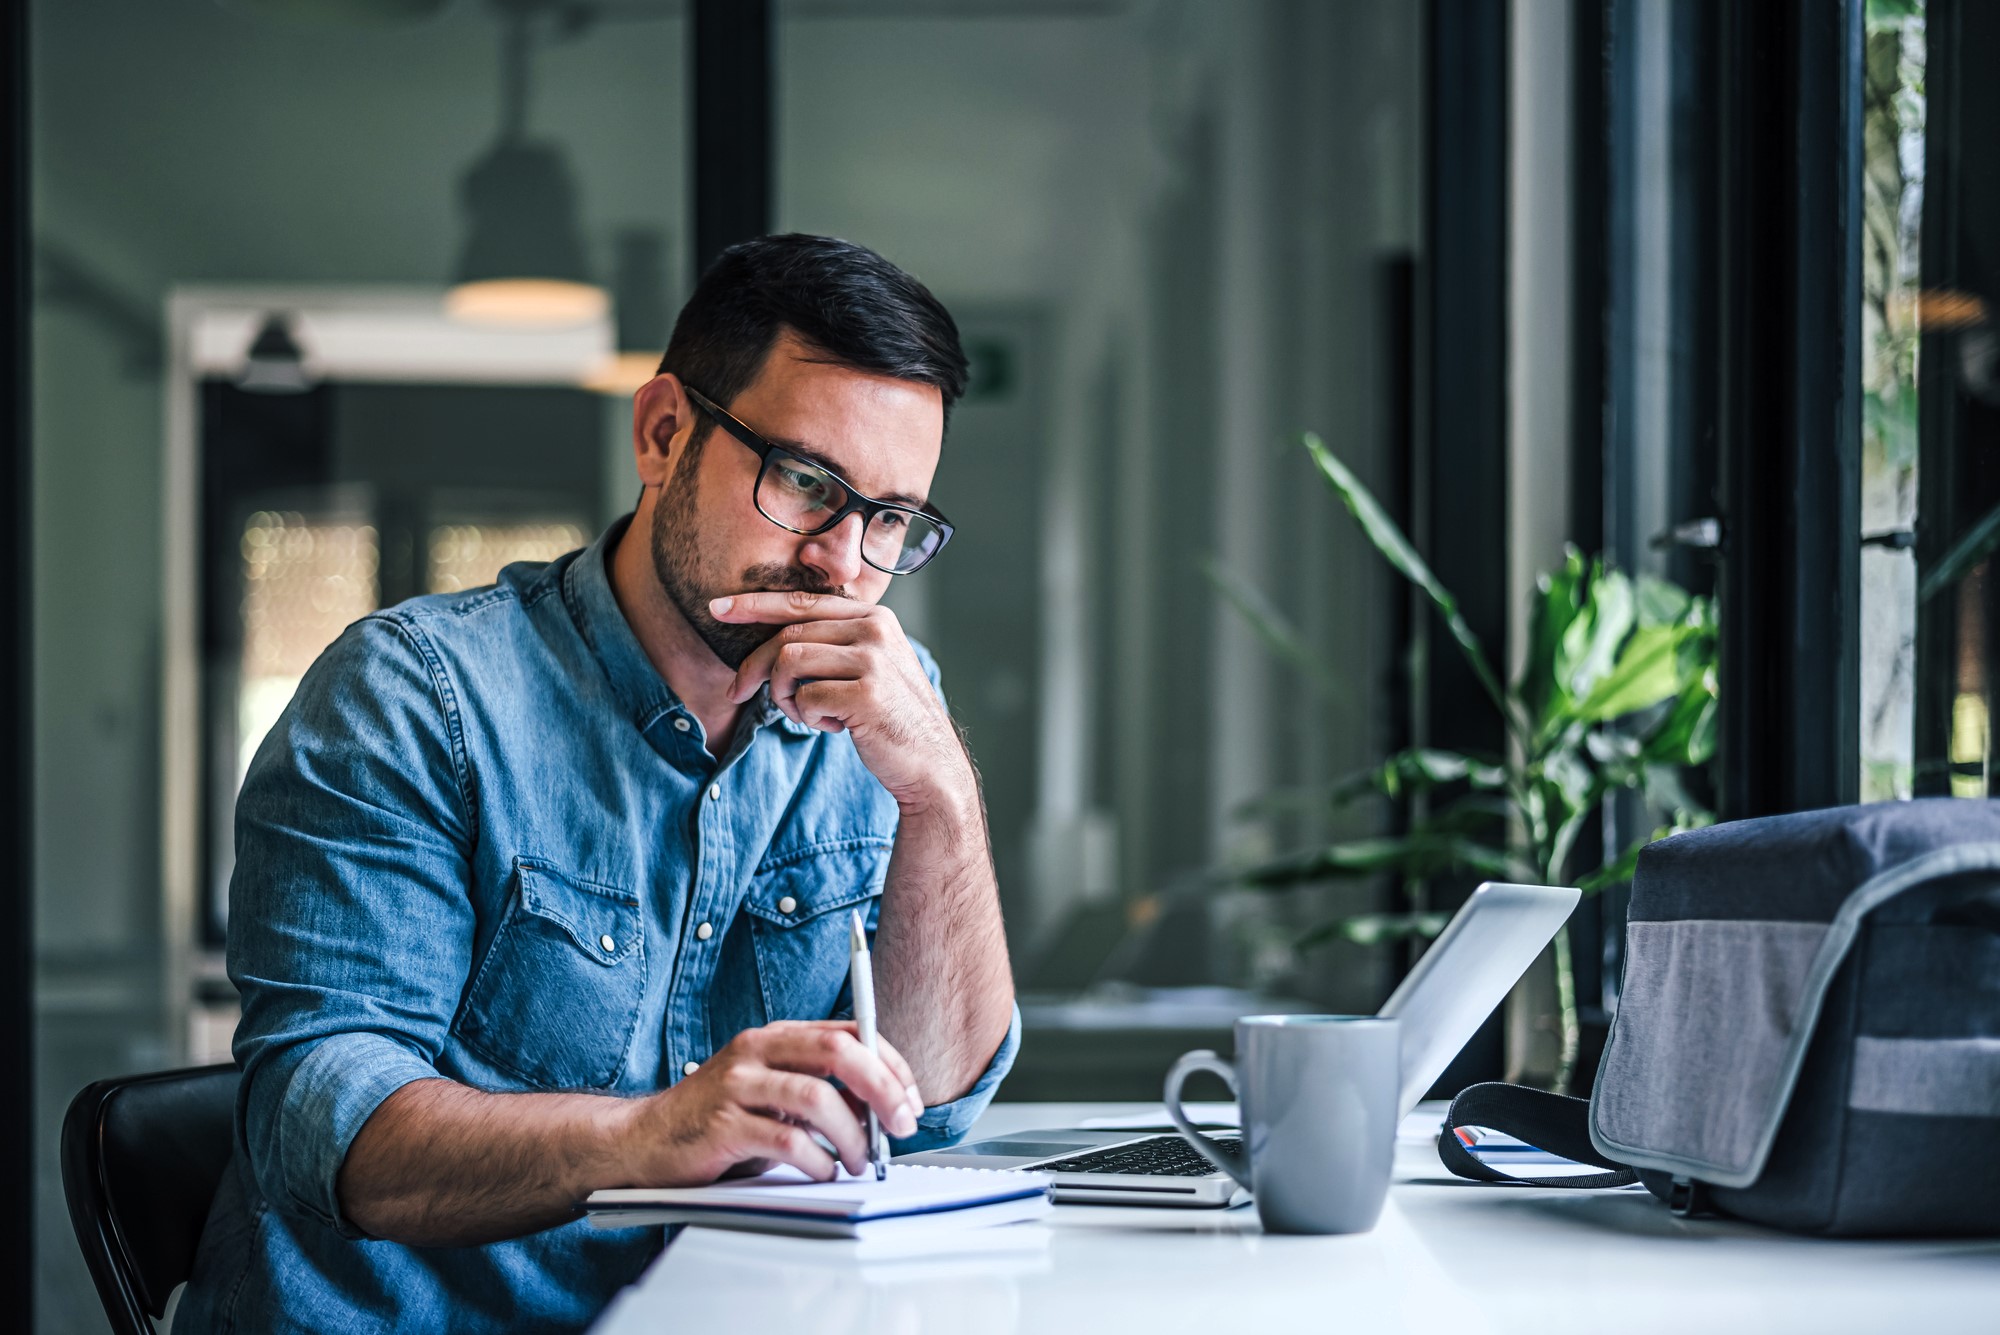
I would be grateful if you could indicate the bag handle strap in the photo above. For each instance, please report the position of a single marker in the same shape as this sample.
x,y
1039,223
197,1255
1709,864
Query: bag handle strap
x,y
1556,1123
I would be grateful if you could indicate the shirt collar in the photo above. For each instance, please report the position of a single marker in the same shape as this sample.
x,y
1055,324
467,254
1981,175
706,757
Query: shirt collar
x,y
639,686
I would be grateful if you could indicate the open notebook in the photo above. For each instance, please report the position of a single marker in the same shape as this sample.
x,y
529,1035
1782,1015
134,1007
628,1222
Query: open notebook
x,y
913,1197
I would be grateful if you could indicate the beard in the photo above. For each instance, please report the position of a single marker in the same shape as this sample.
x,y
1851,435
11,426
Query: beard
x,y
690,582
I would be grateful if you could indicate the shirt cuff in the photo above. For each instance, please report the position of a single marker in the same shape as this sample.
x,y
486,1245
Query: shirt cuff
x,y
331,1094
947,1123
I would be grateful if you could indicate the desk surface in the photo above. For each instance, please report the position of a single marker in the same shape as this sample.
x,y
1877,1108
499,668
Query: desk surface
x,y
1447,1256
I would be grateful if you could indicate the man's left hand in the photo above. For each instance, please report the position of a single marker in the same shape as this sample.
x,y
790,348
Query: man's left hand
x,y
845,666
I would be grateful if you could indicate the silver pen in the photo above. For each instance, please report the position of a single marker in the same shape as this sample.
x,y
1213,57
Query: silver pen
x,y
861,977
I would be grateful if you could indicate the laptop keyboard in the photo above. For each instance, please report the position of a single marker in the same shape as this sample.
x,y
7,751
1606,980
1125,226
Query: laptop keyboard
x,y
1162,1156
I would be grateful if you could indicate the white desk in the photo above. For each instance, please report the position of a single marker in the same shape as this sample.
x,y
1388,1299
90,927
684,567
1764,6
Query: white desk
x,y
1447,1256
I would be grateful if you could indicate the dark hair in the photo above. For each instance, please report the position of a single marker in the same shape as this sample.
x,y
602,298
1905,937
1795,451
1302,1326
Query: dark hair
x,y
851,305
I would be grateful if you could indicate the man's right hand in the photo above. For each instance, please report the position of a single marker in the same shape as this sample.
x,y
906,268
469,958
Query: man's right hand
x,y
443,1165
751,1106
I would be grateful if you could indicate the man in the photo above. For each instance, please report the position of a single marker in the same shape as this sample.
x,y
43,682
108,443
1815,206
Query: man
x,y
545,887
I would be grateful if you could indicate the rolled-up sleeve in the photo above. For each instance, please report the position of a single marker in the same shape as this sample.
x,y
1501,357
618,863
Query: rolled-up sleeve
x,y
350,926
946,1123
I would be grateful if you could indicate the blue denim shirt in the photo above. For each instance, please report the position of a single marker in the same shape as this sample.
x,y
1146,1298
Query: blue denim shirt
x,y
487,842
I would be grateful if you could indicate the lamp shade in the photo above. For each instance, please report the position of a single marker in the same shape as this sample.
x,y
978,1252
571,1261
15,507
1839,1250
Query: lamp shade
x,y
523,262
274,364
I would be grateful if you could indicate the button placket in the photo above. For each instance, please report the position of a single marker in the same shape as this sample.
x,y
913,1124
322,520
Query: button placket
x,y
707,906
719,880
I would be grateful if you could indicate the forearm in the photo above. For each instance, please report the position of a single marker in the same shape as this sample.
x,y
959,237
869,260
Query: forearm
x,y
440,1164
944,986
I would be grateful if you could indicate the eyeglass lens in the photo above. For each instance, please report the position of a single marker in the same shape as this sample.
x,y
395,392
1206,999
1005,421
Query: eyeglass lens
x,y
798,496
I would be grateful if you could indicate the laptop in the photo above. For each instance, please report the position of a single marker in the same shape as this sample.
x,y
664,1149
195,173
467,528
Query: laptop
x,y
1482,952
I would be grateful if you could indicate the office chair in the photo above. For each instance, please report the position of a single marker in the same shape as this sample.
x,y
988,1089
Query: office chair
x,y
142,1156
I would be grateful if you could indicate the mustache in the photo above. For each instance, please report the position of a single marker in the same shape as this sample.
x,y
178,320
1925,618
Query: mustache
x,y
771,577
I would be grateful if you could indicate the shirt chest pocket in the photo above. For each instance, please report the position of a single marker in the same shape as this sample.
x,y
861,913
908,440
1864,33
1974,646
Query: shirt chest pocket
x,y
798,909
556,999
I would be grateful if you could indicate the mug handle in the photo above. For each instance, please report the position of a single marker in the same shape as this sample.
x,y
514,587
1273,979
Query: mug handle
x,y
1204,1060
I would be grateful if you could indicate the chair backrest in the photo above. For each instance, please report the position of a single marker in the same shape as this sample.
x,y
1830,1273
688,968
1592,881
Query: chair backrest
x,y
141,1158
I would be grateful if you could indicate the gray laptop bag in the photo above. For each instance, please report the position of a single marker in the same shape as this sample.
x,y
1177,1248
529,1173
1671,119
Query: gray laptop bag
x,y
1808,1034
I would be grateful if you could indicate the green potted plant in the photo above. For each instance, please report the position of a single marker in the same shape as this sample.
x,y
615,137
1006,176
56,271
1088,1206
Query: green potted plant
x,y
1618,692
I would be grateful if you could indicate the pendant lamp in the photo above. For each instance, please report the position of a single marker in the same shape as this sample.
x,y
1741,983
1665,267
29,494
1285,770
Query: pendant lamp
x,y
274,364
523,262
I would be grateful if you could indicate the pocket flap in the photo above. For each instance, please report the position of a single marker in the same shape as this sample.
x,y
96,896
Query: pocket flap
x,y
604,922
805,886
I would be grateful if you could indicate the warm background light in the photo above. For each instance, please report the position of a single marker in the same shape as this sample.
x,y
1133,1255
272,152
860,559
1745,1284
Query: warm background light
x,y
624,372
537,303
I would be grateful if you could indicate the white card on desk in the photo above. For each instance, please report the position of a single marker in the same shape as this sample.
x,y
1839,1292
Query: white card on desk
x,y
787,1201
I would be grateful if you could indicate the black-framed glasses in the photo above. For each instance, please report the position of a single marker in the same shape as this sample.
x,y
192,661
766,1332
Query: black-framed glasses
x,y
803,497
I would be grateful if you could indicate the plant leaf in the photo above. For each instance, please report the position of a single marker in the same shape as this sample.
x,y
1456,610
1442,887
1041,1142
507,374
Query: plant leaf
x,y
1590,646
1701,742
1565,773
1417,855
1661,602
1619,872
1388,539
1273,627
1614,873
1420,769
1368,929
1665,791
1645,673
1555,605
1481,817
1612,749
1686,736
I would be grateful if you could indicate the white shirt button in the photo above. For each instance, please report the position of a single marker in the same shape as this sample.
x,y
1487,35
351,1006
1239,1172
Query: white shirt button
x,y
714,791
689,1068
682,725
787,904
607,942
703,932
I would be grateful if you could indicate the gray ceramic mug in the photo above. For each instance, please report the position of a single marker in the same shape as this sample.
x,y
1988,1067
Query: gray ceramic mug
x,y
1318,1094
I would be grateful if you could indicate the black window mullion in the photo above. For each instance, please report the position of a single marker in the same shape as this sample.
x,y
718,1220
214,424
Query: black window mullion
x,y
1787,356
732,75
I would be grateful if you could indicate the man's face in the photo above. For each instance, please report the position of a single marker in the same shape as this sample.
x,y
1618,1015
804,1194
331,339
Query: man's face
x,y
708,540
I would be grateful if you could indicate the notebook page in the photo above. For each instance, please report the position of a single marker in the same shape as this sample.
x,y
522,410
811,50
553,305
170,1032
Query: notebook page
x,y
908,1189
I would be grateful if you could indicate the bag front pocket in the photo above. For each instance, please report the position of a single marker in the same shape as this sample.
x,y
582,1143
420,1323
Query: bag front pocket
x,y
556,1000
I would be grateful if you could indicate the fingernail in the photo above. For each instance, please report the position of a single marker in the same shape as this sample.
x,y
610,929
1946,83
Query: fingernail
x,y
720,606
904,1123
916,1100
